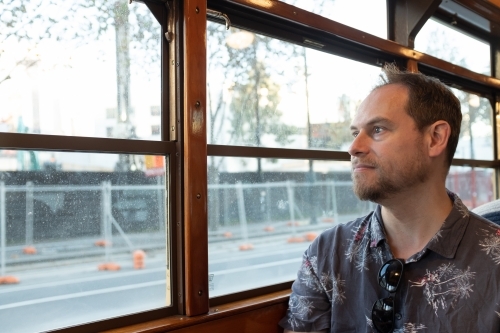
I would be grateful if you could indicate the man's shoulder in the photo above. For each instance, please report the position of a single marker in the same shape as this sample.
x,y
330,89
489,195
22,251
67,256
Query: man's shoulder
x,y
479,221
480,248
481,234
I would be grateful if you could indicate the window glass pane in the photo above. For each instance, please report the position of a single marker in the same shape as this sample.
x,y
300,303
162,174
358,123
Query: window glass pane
x,y
365,15
83,241
260,222
443,42
261,91
79,68
476,134
473,185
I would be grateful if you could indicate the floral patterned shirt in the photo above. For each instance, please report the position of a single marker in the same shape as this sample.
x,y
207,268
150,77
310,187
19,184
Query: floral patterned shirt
x,y
452,285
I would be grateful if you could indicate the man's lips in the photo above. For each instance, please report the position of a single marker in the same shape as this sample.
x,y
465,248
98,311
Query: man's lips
x,y
362,167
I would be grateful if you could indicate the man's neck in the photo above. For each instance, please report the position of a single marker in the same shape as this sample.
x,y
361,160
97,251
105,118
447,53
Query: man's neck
x,y
412,219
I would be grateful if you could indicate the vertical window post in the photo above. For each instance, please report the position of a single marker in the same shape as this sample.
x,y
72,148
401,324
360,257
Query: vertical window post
x,y
195,158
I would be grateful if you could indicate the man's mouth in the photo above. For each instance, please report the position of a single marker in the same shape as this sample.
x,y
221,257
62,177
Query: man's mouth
x,y
357,166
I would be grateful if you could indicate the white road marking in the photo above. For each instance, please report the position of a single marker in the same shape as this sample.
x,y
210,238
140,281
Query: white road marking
x,y
112,275
256,253
82,294
248,268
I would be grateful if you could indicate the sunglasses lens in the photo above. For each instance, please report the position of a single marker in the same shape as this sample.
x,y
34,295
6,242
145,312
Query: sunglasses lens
x,y
390,275
383,315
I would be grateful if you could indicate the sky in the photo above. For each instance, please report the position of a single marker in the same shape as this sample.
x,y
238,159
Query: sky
x,y
75,82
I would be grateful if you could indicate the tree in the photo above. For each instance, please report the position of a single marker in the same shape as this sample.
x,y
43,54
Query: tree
x,y
254,108
244,106
79,22
243,96
475,110
254,105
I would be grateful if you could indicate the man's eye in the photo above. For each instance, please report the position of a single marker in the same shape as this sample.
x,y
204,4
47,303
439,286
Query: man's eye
x,y
355,134
378,130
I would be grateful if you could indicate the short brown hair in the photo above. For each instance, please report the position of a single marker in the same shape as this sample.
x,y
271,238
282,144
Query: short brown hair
x,y
429,100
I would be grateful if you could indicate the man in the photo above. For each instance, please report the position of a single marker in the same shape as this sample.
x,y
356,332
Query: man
x,y
438,264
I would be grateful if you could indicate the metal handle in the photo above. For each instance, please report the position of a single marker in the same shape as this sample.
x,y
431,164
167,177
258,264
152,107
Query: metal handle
x,y
216,14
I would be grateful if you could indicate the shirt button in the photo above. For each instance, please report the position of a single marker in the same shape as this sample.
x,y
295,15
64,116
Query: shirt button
x,y
398,316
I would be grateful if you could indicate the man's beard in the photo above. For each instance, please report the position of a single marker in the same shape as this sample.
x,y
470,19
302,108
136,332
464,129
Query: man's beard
x,y
390,181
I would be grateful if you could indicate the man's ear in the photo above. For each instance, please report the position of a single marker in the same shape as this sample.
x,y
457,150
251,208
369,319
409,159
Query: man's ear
x,y
439,134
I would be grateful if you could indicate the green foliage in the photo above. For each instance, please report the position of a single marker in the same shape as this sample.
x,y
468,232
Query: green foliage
x,y
243,91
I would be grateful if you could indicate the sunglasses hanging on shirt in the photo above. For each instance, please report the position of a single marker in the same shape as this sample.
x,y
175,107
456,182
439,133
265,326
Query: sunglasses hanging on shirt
x,y
383,310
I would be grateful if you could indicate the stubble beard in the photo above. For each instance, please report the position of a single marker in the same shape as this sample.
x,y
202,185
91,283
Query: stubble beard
x,y
390,181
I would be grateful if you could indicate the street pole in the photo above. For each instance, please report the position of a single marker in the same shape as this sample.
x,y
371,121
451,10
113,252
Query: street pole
x,y
3,241
311,177
29,213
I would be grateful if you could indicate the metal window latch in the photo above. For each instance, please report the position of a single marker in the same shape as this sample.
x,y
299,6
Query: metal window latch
x,y
169,35
216,14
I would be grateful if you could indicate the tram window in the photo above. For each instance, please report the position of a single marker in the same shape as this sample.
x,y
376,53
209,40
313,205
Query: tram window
x,y
262,215
365,15
473,185
449,44
476,134
262,90
72,228
59,72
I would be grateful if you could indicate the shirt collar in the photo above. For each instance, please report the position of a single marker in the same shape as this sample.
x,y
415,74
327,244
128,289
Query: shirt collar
x,y
445,242
377,230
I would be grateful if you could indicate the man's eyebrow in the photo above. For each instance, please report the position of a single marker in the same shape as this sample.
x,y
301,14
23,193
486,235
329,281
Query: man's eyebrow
x,y
376,120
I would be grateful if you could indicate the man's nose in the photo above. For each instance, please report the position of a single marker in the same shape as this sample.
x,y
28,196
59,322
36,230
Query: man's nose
x,y
359,145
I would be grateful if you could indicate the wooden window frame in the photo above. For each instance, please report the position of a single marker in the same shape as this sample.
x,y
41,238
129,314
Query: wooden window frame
x,y
188,153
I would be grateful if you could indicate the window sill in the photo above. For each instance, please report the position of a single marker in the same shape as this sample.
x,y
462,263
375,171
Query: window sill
x,y
276,302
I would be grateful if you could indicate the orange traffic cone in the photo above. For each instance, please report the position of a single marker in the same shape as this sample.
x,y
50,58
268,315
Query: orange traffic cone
x,y
8,280
139,256
109,266
246,247
295,239
102,243
310,236
29,250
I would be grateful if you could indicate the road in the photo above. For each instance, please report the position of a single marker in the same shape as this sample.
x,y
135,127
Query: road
x,y
72,293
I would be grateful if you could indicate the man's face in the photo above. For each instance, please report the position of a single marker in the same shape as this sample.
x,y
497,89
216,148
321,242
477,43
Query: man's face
x,y
387,154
